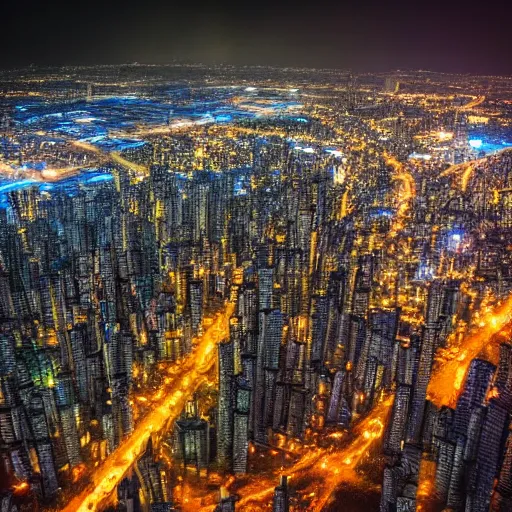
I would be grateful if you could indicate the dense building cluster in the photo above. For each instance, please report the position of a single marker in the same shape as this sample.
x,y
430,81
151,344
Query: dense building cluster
x,y
305,278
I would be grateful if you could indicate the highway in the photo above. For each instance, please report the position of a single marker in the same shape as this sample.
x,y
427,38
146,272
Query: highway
x,y
473,103
452,363
406,192
178,389
113,157
317,473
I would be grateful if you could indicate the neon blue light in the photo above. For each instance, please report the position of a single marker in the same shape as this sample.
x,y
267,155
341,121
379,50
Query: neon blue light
x,y
226,118
17,185
101,177
454,239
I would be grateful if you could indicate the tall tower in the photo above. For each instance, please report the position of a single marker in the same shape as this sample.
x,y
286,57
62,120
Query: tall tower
x,y
227,502
225,411
281,496
391,85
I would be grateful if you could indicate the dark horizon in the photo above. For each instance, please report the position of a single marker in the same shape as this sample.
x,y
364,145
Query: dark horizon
x,y
449,37
184,63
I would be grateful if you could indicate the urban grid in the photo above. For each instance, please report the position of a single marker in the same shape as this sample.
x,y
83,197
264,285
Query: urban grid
x,y
255,289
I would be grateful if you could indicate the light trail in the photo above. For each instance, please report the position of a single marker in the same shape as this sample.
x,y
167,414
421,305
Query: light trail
x,y
403,175
405,193
177,391
473,103
466,169
426,483
454,169
137,168
340,466
317,473
114,157
344,202
466,175
86,146
452,363
50,174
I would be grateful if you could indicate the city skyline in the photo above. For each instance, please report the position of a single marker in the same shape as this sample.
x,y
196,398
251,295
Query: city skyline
x,y
254,289
450,36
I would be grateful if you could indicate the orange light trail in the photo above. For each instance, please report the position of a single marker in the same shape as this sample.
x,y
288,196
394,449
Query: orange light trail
x,y
50,174
473,103
406,193
21,488
452,363
318,472
137,168
115,156
467,168
466,175
177,391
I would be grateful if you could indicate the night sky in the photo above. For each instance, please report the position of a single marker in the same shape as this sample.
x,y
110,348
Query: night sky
x,y
366,35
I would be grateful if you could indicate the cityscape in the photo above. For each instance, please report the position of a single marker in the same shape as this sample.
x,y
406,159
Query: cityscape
x,y
250,288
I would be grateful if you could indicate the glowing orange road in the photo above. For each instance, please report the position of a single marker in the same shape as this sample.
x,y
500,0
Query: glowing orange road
x,y
50,174
453,169
466,175
467,168
137,168
403,175
406,193
426,483
177,126
115,156
192,373
452,363
317,473
473,103
86,146
340,466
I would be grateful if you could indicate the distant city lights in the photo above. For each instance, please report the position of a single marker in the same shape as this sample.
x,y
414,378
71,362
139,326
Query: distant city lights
x,y
420,156
335,152
305,149
228,283
445,135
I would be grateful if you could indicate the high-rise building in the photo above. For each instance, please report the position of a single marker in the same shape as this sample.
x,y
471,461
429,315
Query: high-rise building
x,y
281,496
